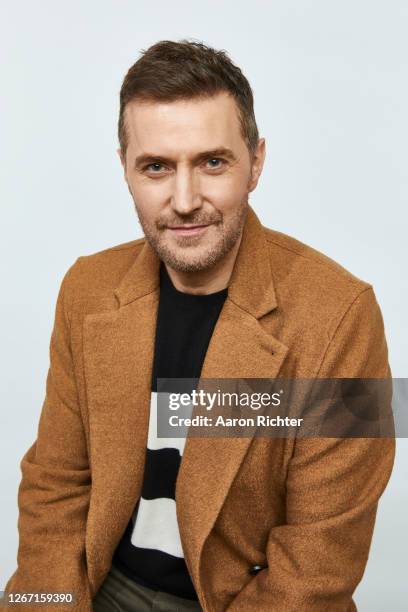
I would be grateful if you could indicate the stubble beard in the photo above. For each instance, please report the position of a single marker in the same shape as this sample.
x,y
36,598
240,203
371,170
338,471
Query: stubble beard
x,y
181,258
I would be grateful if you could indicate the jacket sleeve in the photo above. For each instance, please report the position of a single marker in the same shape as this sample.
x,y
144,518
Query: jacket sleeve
x,y
317,559
54,491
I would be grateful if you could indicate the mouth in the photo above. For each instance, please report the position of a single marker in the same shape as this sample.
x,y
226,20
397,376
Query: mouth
x,y
188,230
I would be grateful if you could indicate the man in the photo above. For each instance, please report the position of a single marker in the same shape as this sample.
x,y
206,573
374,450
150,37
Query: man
x,y
126,520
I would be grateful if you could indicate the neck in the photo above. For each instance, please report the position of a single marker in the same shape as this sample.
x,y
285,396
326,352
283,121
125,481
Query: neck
x,y
208,281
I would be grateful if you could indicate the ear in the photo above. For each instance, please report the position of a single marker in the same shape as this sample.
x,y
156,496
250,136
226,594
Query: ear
x,y
121,157
123,162
257,164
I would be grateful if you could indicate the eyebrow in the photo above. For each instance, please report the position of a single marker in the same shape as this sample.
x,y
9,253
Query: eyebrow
x,y
146,158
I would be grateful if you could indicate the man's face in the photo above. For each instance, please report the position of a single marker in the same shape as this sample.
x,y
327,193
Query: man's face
x,y
189,172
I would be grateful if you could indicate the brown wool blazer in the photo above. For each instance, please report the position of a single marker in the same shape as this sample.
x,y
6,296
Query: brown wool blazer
x,y
304,509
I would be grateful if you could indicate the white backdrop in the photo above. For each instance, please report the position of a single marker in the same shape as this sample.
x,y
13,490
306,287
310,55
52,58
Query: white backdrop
x,y
331,95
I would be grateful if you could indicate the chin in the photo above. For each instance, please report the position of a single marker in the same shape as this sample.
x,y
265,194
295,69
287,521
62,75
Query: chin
x,y
189,265
181,262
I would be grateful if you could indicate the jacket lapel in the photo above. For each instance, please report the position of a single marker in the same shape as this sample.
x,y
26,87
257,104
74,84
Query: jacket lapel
x,y
239,348
118,356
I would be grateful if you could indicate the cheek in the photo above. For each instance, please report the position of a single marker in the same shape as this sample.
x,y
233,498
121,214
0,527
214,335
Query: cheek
x,y
149,197
224,191
145,189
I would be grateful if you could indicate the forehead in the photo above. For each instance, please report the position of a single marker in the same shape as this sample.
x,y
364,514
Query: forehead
x,y
201,123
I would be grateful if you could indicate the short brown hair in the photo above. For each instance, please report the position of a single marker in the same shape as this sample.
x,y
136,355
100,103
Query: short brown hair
x,y
171,70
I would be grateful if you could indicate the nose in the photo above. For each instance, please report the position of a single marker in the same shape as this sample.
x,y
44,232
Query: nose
x,y
185,197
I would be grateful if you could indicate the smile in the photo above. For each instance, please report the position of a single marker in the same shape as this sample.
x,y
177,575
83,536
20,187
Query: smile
x,y
188,230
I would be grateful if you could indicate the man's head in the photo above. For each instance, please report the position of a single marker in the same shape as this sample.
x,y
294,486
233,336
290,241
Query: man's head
x,y
190,150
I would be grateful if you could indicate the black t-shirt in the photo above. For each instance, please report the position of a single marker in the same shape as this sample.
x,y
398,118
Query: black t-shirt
x,y
150,550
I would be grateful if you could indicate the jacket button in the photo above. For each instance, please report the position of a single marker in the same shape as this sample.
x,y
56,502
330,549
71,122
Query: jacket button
x,y
257,568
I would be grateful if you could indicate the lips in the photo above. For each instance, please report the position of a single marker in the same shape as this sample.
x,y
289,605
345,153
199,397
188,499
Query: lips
x,y
188,230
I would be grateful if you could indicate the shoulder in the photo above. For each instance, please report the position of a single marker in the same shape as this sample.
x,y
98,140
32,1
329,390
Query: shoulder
x,y
112,260
92,278
309,284
302,257
295,261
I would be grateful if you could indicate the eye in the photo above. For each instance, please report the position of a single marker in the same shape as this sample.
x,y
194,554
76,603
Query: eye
x,y
215,163
155,167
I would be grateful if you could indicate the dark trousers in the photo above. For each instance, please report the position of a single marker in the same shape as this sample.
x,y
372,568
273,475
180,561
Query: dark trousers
x,y
118,593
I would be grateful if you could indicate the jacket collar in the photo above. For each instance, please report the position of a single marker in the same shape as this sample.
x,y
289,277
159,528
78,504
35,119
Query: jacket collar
x,y
251,283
